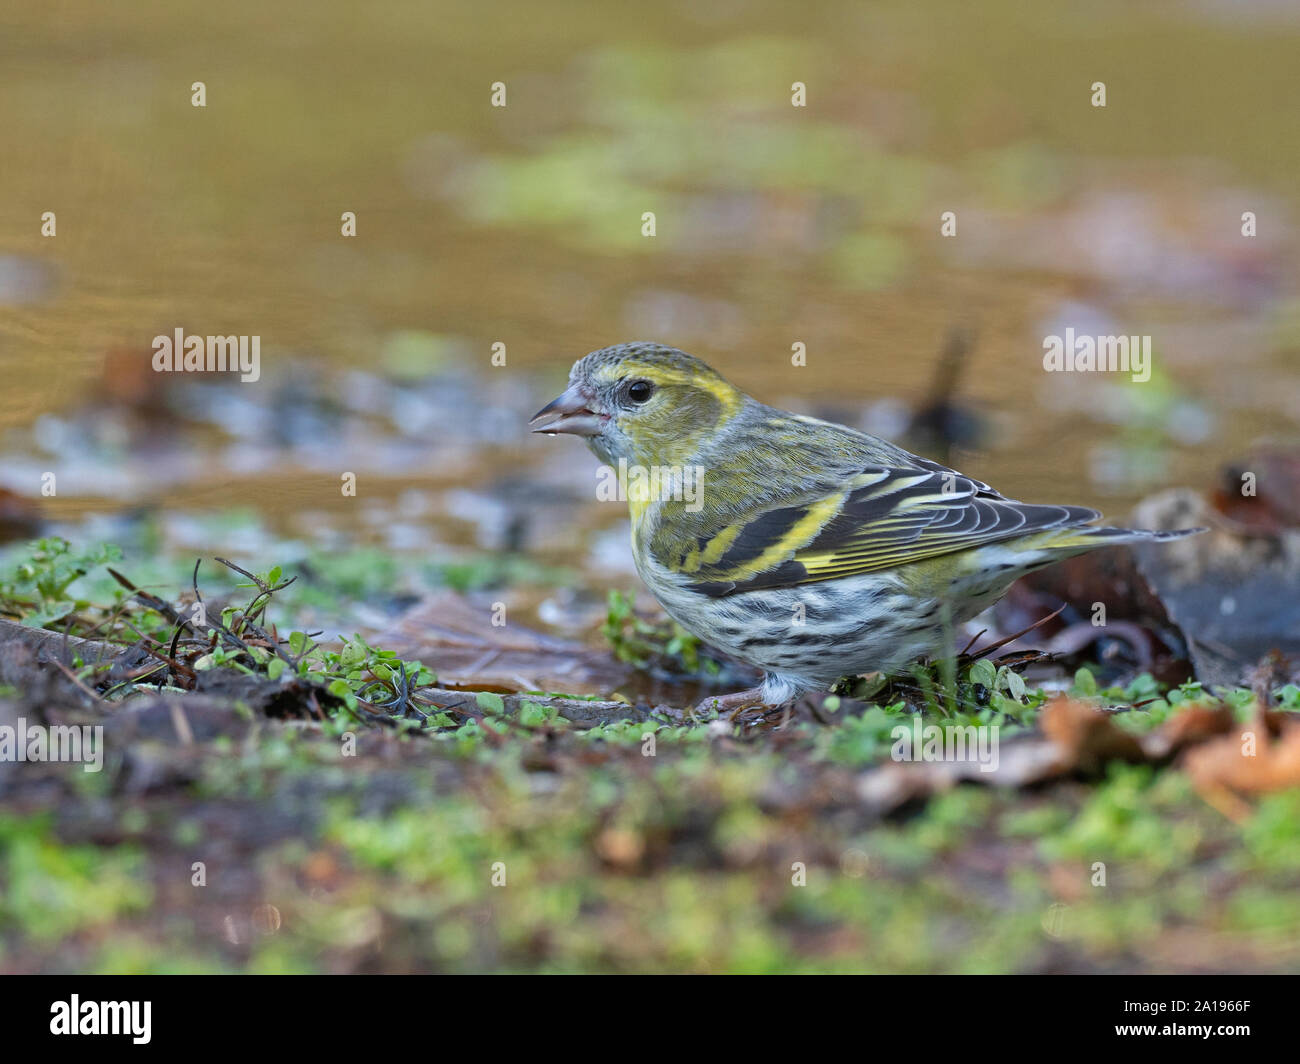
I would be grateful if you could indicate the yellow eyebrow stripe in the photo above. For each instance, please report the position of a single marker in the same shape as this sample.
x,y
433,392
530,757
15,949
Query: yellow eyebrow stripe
x,y
727,396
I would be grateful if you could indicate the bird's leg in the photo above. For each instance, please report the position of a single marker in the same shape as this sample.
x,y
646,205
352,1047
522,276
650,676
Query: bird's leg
x,y
736,702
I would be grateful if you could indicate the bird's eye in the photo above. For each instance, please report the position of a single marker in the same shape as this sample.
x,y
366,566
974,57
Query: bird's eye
x,y
640,391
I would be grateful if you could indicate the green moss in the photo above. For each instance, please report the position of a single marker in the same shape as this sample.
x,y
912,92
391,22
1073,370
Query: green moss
x,y
1132,817
52,889
1272,834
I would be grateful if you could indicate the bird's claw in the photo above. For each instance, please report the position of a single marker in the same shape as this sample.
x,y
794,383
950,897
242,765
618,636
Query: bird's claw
x,y
733,705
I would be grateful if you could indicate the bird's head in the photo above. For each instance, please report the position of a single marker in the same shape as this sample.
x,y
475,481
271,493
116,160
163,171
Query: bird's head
x,y
646,403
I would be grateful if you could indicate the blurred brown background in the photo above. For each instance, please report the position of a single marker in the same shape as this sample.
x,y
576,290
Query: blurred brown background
x,y
775,224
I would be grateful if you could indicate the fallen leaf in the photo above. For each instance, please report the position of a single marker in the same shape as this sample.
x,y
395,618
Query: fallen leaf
x,y
1257,758
454,635
1078,738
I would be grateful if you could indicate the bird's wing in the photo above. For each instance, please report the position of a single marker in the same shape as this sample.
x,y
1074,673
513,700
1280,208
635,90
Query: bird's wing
x,y
883,517
935,467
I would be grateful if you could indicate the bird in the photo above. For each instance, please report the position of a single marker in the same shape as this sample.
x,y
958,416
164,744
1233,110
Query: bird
x,y
804,548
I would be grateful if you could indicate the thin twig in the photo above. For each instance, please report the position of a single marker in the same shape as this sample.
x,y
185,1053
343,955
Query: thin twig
x,y
1012,638
73,677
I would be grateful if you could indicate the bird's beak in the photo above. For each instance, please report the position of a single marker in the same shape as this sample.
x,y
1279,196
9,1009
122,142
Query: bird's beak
x,y
569,413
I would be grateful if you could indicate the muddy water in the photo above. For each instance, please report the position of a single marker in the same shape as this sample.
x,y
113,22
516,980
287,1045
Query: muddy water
x,y
522,225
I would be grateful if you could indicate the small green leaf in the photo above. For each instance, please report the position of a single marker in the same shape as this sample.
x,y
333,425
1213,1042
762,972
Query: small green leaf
x,y
1015,684
984,672
1085,683
491,702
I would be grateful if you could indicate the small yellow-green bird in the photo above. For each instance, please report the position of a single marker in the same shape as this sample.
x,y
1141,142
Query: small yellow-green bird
x,y
809,550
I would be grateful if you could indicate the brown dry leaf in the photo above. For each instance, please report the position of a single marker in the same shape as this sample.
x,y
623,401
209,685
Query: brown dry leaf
x,y
1191,726
1075,738
456,637
321,869
621,848
1260,757
1085,737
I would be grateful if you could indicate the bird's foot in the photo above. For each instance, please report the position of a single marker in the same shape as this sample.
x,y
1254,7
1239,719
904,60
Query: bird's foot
x,y
735,703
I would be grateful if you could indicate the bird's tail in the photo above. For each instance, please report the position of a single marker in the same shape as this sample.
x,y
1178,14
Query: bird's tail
x,y
1084,538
